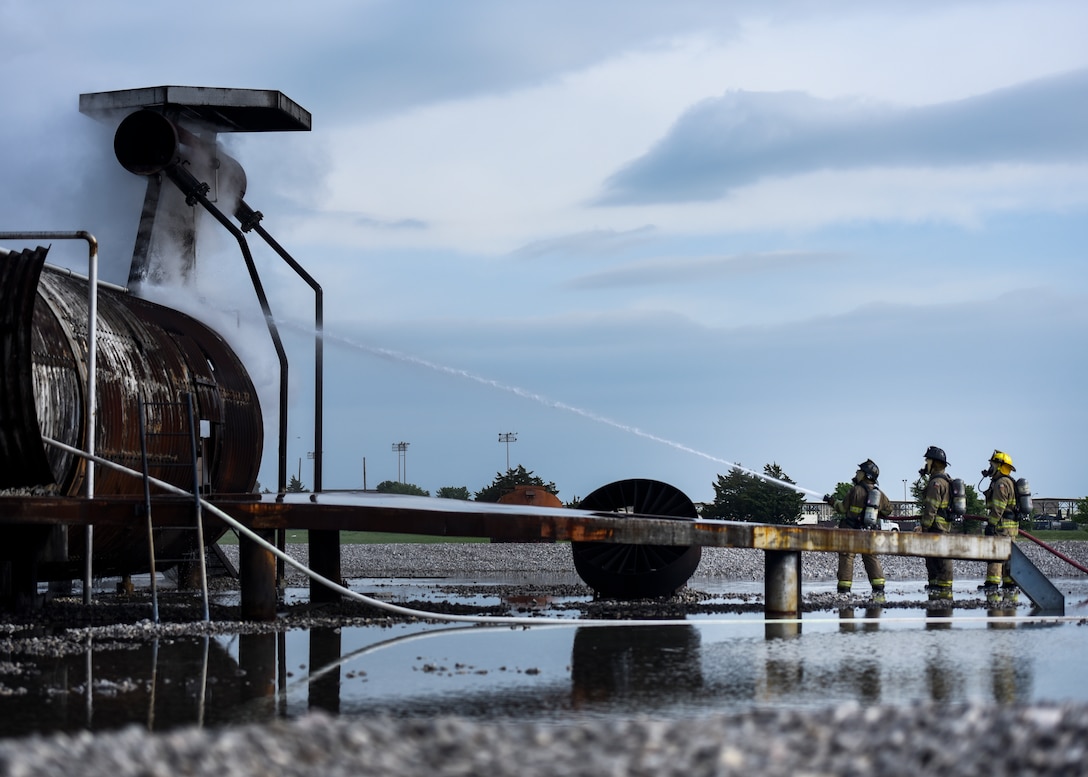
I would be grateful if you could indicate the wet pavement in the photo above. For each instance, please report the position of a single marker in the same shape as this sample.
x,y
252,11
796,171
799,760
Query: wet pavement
x,y
725,657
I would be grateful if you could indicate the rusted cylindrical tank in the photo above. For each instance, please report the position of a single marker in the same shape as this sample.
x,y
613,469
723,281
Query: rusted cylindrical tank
x,y
144,351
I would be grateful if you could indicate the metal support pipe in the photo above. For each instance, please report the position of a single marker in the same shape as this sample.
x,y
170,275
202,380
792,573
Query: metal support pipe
x,y
325,560
250,220
194,191
257,574
782,583
197,507
91,416
324,545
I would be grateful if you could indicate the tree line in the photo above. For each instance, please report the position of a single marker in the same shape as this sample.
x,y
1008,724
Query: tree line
x,y
503,483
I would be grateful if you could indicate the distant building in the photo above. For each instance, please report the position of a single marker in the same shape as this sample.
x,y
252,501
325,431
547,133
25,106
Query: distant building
x,y
821,512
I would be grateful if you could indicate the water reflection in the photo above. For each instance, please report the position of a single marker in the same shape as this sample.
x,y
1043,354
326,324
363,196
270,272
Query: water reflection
x,y
787,629
849,616
158,684
256,690
1010,682
862,673
868,654
325,652
626,665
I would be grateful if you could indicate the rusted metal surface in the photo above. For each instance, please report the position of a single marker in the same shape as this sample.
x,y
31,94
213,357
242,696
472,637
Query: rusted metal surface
x,y
144,350
456,518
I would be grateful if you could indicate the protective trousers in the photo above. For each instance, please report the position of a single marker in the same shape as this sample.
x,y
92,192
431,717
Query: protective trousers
x,y
939,570
999,572
872,569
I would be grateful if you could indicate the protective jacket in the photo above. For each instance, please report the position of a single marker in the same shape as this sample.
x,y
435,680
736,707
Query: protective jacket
x,y
935,503
852,506
1002,517
1001,505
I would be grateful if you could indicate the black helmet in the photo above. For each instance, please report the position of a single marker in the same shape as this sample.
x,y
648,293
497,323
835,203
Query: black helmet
x,y
935,453
869,469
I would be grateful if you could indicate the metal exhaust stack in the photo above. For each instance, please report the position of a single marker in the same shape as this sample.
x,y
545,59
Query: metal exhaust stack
x,y
146,143
171,132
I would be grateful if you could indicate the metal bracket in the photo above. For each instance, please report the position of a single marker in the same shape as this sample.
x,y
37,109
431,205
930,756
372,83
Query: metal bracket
x,y
1043,594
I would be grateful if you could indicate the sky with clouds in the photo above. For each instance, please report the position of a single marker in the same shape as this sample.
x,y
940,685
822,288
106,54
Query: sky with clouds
x,y
653,239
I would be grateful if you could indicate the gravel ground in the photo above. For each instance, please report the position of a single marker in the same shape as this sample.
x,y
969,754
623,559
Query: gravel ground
x,y
841,740
465,559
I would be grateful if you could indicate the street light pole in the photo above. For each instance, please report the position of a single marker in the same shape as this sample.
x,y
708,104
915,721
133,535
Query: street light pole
x,y
401,449
508,437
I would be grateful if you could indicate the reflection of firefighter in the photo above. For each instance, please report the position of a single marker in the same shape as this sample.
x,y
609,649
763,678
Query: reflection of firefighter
x,y
862,508
1002,517
1009,677
863,674
936,500
942,680
849,624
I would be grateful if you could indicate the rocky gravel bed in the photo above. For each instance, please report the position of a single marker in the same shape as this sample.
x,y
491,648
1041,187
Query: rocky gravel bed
x,y
844,740
467,559
839,740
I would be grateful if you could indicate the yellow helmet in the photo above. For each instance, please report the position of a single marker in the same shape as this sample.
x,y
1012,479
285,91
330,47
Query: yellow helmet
x,y
1002,462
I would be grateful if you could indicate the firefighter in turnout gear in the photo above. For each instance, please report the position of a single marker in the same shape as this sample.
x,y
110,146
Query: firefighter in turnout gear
x,y
936,500
1002,519
862,508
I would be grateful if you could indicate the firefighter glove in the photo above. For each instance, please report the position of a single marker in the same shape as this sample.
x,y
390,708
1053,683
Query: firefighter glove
x,y
991,530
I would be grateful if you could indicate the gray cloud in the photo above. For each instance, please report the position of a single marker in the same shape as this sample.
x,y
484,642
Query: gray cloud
x,y
743,137
394,56
596,242
686,270
385,224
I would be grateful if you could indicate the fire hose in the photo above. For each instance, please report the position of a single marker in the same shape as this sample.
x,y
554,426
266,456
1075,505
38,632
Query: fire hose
x,y
1040,543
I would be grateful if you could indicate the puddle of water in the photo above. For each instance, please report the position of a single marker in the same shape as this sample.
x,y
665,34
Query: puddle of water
x,y
552,673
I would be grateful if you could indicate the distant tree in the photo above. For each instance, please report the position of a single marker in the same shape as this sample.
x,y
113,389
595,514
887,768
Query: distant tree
x,y
295,486
1080,515
453,492
917,489
740,496
840,492
976,505
505,483
396,487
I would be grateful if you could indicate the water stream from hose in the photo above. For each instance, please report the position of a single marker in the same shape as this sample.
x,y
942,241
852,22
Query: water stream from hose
x,y
387,353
